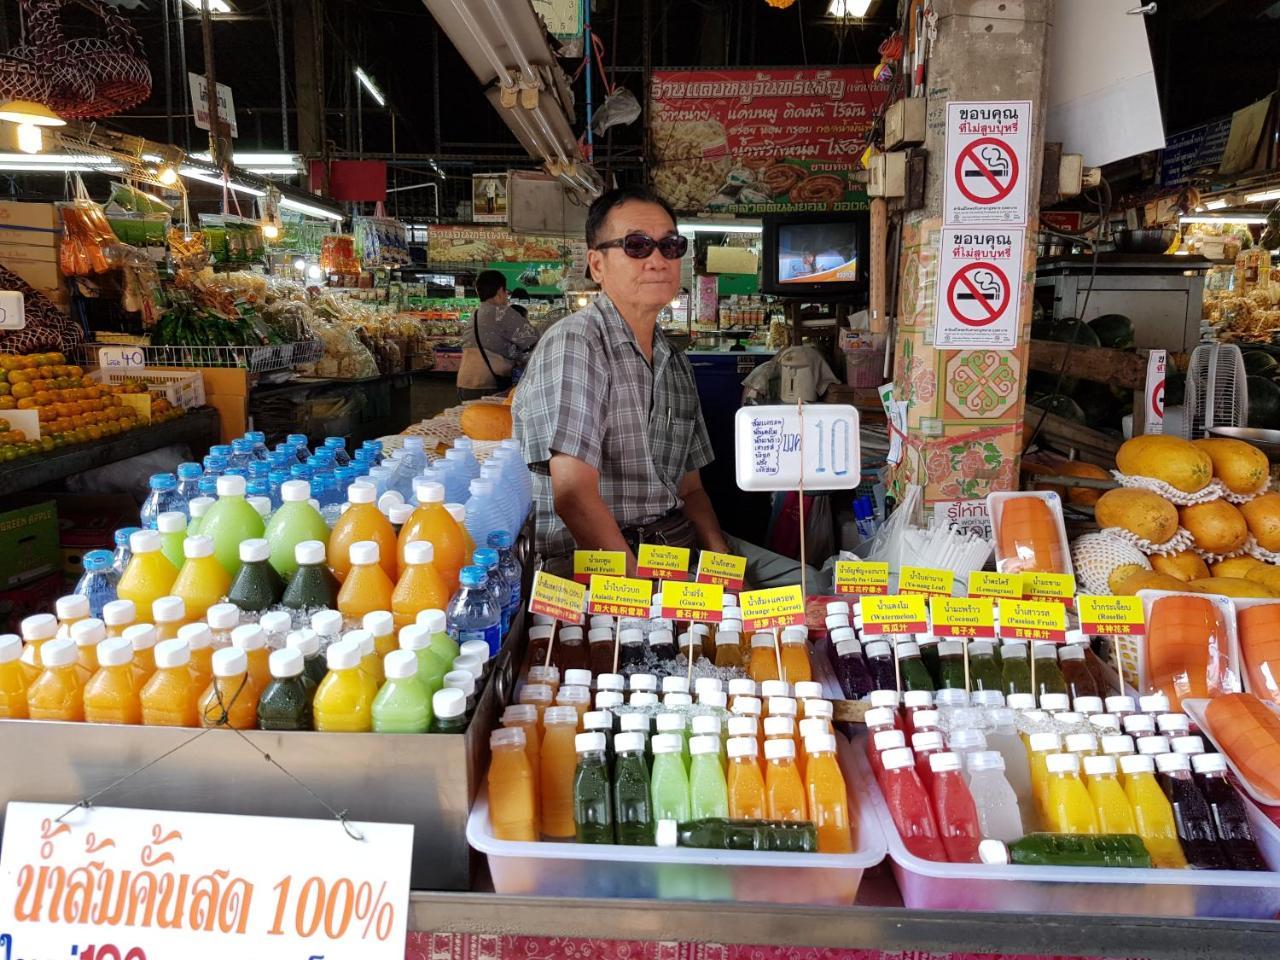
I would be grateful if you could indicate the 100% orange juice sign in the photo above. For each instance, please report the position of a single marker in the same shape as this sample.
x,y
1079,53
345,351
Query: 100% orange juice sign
x,y
154,884
557,597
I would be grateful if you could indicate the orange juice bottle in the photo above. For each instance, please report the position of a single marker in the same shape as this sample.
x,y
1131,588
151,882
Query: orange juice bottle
x,y
58,693
763,664
459,513
38,630
118,616
169,615
370,663
367,586
86,635
382,625
69,609
746,785
202,581
784,793
433,523
421,587
13,679
222,619
556,768
231,699
827,794
343,703
169,698
149,574
142,638
252,639
795,655
363,522
111,695
525,717
513,808
199,640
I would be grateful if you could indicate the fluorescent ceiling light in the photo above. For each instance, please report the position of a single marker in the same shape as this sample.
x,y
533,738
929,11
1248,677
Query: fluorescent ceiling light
x,y
289,203
86,160
215,6
1217,204
273,171
848,8
1265,196
211,178
367,82
256,159
37,167
726,227
153,158
1245,218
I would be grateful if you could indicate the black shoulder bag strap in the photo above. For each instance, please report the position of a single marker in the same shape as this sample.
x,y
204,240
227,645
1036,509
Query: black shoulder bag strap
x,y
502,382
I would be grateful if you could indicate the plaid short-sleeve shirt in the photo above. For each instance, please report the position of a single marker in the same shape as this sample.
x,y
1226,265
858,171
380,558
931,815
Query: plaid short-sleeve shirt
x,y
589,393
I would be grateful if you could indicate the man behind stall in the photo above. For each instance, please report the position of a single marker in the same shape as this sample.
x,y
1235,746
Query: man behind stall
x,y
607,413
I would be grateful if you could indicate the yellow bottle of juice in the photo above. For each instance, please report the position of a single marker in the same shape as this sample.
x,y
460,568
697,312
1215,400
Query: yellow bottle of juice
x,y
524,716
38,629
169,614
367,587
362,522
252,639
199,640
149,575
118,616
1152,812
58,693
69,609
142,638
434,524
783,791
370,663
202,581
1112,807
111,695
763,664
86,635
745,781
1069,805
13,679
421,585
1042,746
231,699
382,625
827,794
556,768
795,655
169,697
513,809
343,703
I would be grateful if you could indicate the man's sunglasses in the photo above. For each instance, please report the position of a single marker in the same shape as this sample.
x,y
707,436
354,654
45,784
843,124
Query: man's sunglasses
x,y
640,246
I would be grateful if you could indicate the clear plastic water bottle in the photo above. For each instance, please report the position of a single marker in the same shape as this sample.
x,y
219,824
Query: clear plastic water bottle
x,y
457,485
346,476
279,459
487,559
465,446
163,497
375,448
98,582
120,559
483,512
509,567
214,466
299,443
258,487
363,461
238,472
259,443
275,480
259,470
502,495
208,486
321,461
301,471
472,614
241,453
339,447
221,450
189,475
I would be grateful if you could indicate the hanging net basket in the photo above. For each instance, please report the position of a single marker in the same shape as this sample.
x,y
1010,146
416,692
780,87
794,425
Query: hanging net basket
x,y
21,77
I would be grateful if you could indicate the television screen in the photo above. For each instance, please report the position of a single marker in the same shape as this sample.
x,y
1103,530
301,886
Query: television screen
x,y
818,253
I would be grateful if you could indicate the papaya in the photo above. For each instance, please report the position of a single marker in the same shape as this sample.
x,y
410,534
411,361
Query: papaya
x,y
1234,566
1262,515
1230,587
1177,462
1217,526
1148,580
1259,628
1184,565
1242,467
1249,733
1143,513
1186,648
1079,496
486,421
1122,573
1267,575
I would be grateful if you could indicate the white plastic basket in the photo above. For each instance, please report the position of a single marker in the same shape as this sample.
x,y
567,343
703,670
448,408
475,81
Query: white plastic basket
x,y
180,388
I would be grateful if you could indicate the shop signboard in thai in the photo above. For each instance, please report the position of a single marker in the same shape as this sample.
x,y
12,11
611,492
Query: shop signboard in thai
x,y
762,141
540,264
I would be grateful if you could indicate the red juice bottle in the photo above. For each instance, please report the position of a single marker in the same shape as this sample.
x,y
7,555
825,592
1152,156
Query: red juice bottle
x,y
886,740
890,700
925,744
877,720
913,702
953,803
910,808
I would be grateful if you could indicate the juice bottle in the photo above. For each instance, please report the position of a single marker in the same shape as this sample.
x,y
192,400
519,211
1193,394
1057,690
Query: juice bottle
x,y
795,656
1015,670
363,522
1068,850
925,745
1230,821
250,638
169,698
449,707
256,586
198,506
421,586
199,640
433,523
58,693
231,699
956,812
1110,805
951,666
69,609
118,615
381,624
728,649
878,720
172,527
286,702
994,798
149,575
984,669
1049,678
592,794
745,780
852,672
708,793
719,834
13,679
307,643
512,787
431,668
662,646
312,585
827,794
295,522
229,521
458,511
677,725
86,635
1040,747
910,807
879,658
1152,812
915,676
914,702
203,580
1076,674
1190,813
525,717
669,779
556,768
632,791
445,646
370,663
783,791
169,614
343,703
142,638
366,586
402,705
38,629
763,664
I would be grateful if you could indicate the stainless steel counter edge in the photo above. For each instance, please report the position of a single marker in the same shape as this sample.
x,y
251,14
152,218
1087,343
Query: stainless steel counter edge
x,y
884,928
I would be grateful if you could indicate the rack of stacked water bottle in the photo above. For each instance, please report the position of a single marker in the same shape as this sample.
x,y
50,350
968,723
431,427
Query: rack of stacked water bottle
x,y
1014,783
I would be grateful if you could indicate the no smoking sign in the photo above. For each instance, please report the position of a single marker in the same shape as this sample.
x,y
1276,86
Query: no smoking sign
x,y
980,279
988,146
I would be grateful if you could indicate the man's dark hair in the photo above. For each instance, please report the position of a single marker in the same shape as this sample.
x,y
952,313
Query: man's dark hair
x,y
489,283
519,293
604,204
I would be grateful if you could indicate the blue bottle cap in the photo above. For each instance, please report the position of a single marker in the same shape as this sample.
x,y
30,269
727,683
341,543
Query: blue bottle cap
x,y
259,469
279,459
278,476
374,445
335,443
163,481
500,540
473,576
257,436
300,471
215,462
258,488
189,471
297,439
237,472
485,557
96,561
220,450
123,535
209,486
243,445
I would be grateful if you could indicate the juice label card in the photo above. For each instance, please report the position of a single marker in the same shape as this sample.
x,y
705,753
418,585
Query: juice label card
x,y
962,617
607,563
620,596
1044,620
1111,616
557,597
699,602
865,578
1060,587
662,563
772,608
722,568
904,613
1002,586
925,580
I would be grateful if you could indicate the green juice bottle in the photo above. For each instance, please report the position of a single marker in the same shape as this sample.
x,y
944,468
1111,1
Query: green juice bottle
x,y
231,521
312,585
307,643
984,671
669,782
951,665
677,725
431,669
928,644
915,675
592,802
446,648
1016,671
1049,676
256,587
403,704
295,522
1069,850
172,525
708,794
632,797
285,704
778,836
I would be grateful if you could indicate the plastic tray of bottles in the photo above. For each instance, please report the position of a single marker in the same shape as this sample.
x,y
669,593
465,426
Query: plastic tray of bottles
x,y
606,870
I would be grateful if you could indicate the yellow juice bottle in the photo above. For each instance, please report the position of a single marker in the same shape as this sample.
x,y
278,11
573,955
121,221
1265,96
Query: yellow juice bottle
x,y
13,679
231,698
827,794
366,587
784,793
557,765
513,807
69,609
86,635
421,586
362,522
382,625
169,615
169,697
1042,746
118,616
142,638
343,703
795,655
436,525
1152,812
525,717
370,664
1069,805
58,693
111,695
1112,807
252,639
37,630
745,781
763,664
199,640
202,581
149,575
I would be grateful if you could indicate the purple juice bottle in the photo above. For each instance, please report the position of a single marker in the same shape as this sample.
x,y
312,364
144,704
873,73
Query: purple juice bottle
x,y
852,673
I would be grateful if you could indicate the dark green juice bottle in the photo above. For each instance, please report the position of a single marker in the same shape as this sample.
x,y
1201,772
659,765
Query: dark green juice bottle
x,y
257,586
779,836
312,586
1069,850
285,704
915,675
951,664
1049,676
449,710
632,802
929,654
984,671
1016,671
314,669
592,800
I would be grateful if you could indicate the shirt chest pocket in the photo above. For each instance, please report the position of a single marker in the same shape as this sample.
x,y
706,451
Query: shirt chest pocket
x,y
670,438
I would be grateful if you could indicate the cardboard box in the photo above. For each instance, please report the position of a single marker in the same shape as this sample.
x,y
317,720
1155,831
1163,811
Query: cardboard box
x,y
36,216
29,543
41,274
37,597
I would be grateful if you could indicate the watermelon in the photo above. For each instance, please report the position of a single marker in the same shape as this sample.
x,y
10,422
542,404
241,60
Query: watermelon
x,y
1261,363
1264,403
1114,330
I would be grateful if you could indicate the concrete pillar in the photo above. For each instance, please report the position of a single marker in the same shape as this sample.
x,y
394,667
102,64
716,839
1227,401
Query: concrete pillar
x,y
964,426
308,67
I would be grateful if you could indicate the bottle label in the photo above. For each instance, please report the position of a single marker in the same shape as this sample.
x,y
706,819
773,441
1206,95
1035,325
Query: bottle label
x,y
490,635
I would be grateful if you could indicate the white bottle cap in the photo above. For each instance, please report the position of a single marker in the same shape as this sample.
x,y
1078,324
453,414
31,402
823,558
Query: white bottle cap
x,y
1135,763
850,647
837,607
703,745
418,552
1099,766
434,620
878,717
714,698
171,654
1154,703
1088,705
1105,723
44,626
925,740
878,648
782,707
362,493
748,705
1081,743
795,634
197,635
229,662
985,760
635,723
304,641
1120,704
1174,724
993,853
743,727
615,682
597,720
71,607
577,678
115,652
780,749
171,521
896,759
379,622
119,612
274,622
231,485
295,491
464,681
774,688
841,634
1117,744
168,609
537,693
427,491
739,747
763,640
884,698
1055,702
1071,653
458,511
363,640
1041,742
59,653
481,488
705,684
399,514
628,742
343,655
254,550
742,687
837,621
1062,763
915,698
944,762
507,737
197,547
364,552
599,635
812,727
658,637
199,506
643,698
1021,701
141,636
677,700
1173,762
307,553
223,616
706,725
675,685
886,740
667,743
398,664
1013,651
145,541
450,703
1188,746
1209,763
981,648
248,637
671,722
327,623
1139,724
948,648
